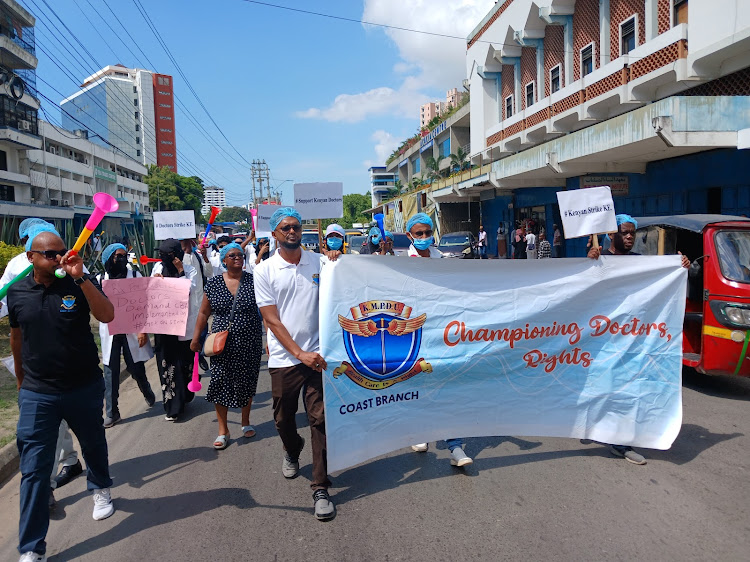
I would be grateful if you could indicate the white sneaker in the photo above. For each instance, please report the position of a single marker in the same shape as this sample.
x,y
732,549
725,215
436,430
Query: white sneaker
x,y
32,557
103,506
459,458
419,448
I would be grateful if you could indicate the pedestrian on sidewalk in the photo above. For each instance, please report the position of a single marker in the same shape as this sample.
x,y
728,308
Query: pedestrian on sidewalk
x,y
482,243
419,231
545,249
557,241
57,368
174,360
531,246
230,297
134,348
502,250
286,289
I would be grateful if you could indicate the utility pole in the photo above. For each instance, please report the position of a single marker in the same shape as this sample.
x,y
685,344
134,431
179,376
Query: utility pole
x,y
260,173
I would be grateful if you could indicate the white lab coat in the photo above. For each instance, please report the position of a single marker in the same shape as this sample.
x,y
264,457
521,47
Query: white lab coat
x,y
138,353
215,259
195,298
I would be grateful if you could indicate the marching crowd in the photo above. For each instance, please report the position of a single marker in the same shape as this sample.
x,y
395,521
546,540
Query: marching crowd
x,y
243,287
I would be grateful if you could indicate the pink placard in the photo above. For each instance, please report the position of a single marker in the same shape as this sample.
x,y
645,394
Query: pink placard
x,y
151,305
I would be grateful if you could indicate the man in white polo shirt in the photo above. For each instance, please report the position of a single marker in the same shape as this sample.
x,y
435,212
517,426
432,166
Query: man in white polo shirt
x,y
286,290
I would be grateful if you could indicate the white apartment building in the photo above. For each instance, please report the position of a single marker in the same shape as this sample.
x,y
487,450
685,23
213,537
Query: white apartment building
x,y
213,196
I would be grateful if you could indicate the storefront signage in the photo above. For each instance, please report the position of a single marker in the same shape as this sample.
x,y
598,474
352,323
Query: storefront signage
x,y
435,132
619,185
104,174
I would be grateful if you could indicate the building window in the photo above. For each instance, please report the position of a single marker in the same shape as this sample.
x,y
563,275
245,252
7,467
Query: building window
x,y
627,36
417,165
163,81
137,140
135,102
7,193
554,79
165,117
164,93
529,94
587,60
166,142
167,154
135,90
444,148
137,115
680,14
508,106
164,105
3,161
137,127
165,130
137,152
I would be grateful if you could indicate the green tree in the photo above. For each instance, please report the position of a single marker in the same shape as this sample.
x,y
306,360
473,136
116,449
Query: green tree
x,y
168,191
433,168
233,214
458,160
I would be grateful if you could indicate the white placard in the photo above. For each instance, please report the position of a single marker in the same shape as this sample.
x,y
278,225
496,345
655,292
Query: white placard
x,y
587,211
319,200
263,220
174,224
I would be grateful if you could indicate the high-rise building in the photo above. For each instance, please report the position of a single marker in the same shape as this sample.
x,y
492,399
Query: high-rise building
x,y
213,196
429,111
130,108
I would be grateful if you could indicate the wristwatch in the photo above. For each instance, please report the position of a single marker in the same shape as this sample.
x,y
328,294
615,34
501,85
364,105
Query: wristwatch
x,y
80,281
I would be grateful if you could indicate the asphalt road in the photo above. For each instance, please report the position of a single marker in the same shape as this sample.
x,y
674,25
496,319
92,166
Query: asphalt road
x,y
549,499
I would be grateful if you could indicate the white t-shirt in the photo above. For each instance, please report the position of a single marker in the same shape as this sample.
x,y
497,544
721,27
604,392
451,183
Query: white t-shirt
x,y
483,238
530,242
293,289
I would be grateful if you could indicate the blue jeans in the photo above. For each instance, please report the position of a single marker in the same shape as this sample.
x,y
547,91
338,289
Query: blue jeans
x,y
454,443
112,375
483,252
39,420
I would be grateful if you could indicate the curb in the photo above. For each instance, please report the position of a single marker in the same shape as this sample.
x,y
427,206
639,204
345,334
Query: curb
x,y
9,461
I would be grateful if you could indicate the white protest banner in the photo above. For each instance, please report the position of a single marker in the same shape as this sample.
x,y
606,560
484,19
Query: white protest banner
x,y
263,220
587,211
319,200
422,350
153,305
174,224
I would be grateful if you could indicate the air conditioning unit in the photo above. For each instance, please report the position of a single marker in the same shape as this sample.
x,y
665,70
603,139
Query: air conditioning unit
x,y
65,203
24,125
54,202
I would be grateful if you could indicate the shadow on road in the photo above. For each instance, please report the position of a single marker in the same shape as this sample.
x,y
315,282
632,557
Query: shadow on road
x,y
691,442
148,513
734,388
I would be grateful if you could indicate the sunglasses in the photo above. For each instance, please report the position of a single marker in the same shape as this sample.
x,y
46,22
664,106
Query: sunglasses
x,y
421,233
235,256
288,227
50,254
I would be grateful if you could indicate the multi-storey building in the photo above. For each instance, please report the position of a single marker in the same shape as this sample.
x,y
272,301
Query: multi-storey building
x,y
213,196
647,96
130,108
429,111
381,183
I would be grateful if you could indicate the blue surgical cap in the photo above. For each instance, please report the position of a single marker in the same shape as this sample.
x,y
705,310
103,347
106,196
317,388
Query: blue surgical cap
x,y
626,218
38,229
388,235
419,218
111,249
280,214
375,232
231,246
26,224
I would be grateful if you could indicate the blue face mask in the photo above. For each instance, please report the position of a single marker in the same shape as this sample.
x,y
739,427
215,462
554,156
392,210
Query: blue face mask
x,y
375,240
422,243
334,243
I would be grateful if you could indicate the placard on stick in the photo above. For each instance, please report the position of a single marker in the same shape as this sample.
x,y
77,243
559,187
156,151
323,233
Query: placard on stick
x,y
263,220
174,224
587,211
319,200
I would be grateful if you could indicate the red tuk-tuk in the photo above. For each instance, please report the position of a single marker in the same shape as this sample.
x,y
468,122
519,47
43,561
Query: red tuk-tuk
x,y
716,332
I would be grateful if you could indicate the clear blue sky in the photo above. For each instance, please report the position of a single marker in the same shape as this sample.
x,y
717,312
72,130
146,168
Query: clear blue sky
x,y
318,99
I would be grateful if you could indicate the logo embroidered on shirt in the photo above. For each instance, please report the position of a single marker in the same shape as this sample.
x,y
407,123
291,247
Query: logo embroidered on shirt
x,y
316,279
68,303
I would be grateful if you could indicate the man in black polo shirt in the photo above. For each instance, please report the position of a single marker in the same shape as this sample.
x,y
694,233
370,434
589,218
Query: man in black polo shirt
x,y
57,367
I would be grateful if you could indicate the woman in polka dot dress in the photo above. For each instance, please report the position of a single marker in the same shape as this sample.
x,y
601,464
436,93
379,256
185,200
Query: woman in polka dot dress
x,y
234,373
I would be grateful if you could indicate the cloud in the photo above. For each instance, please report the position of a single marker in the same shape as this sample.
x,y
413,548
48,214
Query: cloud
x,y
353,108
428,63
440,60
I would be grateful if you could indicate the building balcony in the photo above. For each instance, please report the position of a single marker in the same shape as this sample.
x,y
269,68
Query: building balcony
x,y
61,163
15,56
